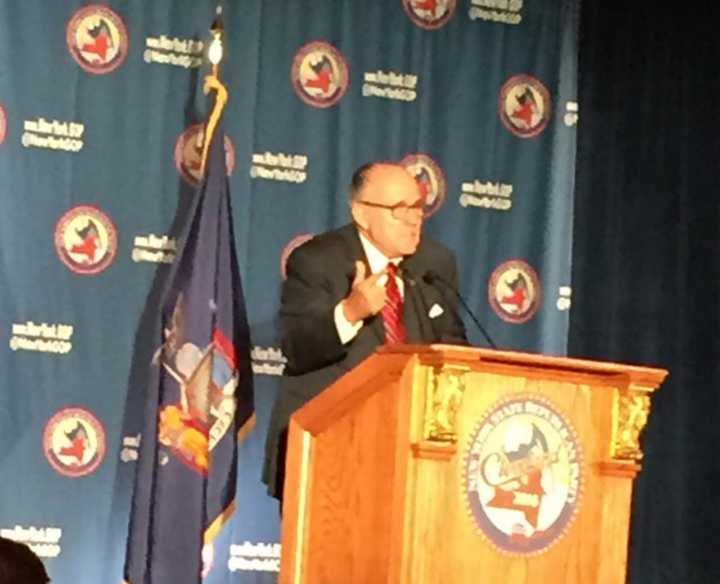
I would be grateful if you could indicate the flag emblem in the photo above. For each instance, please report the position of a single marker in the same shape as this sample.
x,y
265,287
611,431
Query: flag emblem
x,y
207,379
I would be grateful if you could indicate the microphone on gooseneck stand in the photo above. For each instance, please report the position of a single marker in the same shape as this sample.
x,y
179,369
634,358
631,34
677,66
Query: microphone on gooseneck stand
x,y
411,280
431,277
408,275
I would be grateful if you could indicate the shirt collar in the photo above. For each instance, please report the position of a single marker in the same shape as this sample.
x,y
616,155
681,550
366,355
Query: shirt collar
x,y
377,260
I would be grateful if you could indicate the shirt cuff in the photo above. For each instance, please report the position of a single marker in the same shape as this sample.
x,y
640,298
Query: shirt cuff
x,y
346,330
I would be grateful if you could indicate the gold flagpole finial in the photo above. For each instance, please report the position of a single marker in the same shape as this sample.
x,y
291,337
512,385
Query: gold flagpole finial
x,y
215,52
213,83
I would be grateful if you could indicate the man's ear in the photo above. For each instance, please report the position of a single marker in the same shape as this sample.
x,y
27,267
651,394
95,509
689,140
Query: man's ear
x,y
358,215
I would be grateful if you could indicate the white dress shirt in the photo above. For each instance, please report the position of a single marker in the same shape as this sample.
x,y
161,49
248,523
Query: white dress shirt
x,y
378,262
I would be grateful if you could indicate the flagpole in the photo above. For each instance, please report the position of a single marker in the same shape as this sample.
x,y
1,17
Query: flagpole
x,y
213,83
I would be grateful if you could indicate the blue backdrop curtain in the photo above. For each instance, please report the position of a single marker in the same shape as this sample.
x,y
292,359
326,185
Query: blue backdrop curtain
x,y
646,261
99,106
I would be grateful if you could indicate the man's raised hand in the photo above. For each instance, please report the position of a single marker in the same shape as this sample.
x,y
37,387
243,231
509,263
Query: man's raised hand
x,y
367,296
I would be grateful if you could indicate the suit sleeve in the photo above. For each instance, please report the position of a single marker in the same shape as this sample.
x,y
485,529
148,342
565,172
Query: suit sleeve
x,y
310,293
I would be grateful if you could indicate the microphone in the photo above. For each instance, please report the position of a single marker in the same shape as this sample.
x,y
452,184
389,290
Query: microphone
x,y
409,277
432,277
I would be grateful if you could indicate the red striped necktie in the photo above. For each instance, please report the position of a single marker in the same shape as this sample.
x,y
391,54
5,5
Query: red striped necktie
x,y
393,310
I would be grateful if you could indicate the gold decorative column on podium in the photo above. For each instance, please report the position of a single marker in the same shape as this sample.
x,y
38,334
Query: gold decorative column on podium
x,y
630,414
444,396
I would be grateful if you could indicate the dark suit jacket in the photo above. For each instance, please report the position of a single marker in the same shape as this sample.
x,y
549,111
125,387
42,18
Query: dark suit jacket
x,y
319,275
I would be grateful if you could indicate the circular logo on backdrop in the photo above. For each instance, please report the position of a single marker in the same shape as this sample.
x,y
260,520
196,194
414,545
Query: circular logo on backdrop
x,y
294,243
97,39
3,124
514,291
430,179
429,14
524,106
523,475
74,442
319,74
85,239
188,153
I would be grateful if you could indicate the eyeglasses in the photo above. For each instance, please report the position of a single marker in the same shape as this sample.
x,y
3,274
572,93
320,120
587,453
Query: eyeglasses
x,y
400,211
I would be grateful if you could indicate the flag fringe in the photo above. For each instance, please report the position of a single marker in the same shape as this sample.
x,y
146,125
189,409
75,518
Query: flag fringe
x,y
214,528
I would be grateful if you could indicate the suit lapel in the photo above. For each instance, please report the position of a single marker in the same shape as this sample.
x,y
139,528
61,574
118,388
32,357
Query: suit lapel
x,y
417,324
413,332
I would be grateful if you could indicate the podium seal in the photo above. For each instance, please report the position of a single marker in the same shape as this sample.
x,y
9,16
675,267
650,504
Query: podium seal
x,y
523,475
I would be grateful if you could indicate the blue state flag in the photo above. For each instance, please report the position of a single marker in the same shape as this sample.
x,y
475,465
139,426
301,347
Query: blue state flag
x,y
200,401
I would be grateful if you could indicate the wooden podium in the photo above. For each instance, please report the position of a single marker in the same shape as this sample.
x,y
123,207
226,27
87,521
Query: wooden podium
x,y
443,464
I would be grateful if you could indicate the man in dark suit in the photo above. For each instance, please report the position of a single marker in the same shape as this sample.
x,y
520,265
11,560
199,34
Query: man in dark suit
x,y
341,288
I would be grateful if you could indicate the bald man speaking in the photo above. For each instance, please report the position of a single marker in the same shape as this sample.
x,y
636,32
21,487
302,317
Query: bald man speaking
x,y
352,289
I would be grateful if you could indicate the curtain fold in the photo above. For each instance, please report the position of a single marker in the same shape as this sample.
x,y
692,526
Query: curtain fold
x,y
646,273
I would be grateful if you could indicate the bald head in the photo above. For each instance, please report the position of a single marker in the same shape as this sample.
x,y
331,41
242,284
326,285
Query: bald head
x,y
378,171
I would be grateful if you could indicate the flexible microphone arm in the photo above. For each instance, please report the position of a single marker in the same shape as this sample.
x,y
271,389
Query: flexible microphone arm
x,y
431,277
410,278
